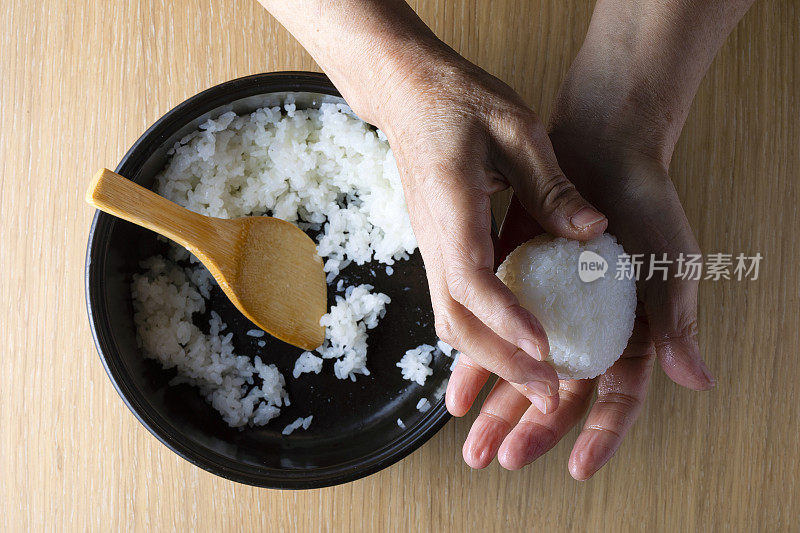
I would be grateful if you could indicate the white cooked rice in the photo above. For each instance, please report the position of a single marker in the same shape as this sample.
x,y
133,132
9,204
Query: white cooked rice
x,y
321,168
455,360
307,362
415,364
445,348
164,301
588,324
441,390
346,326
297,424
324,170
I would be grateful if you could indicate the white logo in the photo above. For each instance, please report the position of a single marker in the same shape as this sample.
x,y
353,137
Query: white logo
x,y
591,266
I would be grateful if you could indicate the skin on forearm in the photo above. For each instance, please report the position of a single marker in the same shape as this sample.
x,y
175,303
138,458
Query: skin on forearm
x,y
643,62
367,47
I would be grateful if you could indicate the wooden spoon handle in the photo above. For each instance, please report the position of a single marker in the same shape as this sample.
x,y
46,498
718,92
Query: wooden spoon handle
x,y
123,198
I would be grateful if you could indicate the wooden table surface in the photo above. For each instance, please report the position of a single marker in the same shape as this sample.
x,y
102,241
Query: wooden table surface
x,y
80,80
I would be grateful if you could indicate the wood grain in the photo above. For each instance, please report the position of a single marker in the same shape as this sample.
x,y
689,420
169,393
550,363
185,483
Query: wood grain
x,y
81,80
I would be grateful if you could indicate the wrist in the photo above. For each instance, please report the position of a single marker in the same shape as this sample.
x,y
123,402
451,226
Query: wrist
x,y
366,47
640,65
411,76
401,69
614,107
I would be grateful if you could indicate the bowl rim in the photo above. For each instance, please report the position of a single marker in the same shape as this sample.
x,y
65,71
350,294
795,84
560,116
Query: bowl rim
x,y
96,253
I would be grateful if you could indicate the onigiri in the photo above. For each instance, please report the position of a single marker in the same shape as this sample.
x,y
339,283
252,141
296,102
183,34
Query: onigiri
x,y
571,287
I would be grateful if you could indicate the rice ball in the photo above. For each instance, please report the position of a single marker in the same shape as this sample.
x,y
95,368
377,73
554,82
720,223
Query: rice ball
x,y
588,323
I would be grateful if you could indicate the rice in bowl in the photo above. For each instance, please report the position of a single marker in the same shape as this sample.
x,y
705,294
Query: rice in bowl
x,y
322,169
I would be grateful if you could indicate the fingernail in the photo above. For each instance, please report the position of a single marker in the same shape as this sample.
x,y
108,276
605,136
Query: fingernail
x,y
539,388
530,348
540,403
538,392
586,217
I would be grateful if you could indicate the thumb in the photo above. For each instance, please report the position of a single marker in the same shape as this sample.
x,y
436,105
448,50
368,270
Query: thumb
x,y
672,312
527,161
670,299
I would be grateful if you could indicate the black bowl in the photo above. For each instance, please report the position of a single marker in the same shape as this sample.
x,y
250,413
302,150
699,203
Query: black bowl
x,y
355,431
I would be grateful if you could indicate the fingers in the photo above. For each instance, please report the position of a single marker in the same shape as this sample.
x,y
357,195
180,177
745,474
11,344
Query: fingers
x,y
468,260
466,382
467,334
650,221
527,160
671,301
487,298
460,328
536,433
672,311
500,412
468,378
620,394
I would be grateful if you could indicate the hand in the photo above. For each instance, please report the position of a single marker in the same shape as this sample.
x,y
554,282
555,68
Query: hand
x,y
621,166
458,136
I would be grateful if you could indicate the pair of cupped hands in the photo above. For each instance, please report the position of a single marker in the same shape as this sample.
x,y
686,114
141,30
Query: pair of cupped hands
x,y
459,135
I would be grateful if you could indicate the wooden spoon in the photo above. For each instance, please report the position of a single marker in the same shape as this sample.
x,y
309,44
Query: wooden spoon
x,y
268,267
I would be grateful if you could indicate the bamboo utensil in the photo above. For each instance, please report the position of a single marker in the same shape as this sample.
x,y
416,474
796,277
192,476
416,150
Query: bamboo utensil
x,y
267,267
